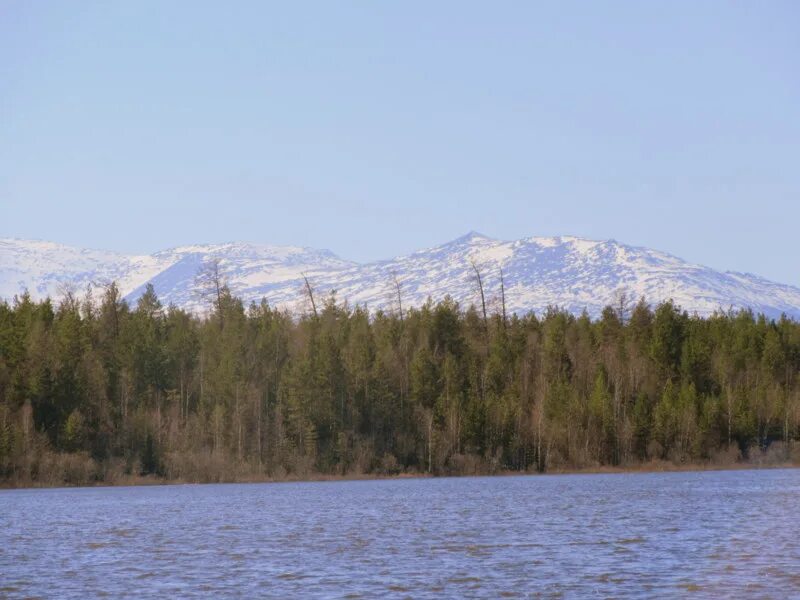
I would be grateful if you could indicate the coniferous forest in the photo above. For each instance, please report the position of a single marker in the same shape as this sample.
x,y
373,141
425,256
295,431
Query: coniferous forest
x,y
95,390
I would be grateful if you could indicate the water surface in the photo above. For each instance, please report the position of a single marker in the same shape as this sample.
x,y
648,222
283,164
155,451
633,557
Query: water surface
x,y
711,534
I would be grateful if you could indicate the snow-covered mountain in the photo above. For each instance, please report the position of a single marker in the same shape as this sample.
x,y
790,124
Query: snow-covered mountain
x,y
568,272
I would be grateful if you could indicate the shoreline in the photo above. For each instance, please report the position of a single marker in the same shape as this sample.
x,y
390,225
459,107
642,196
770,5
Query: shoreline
x,y
644,469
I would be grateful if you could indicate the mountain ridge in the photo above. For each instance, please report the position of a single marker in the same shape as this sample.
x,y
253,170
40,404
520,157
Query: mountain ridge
x,y
570,272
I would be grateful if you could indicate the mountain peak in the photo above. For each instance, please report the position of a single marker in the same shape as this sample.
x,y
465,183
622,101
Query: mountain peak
x,y
472,236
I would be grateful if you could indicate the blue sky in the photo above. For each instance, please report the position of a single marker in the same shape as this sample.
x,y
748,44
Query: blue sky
x,y
373,129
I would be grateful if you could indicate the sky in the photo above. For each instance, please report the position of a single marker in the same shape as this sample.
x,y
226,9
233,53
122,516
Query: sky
x,y
374,129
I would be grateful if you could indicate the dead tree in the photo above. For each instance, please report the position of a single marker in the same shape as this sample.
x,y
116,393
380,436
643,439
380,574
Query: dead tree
x,y
503,296
310,293
398,293
479,280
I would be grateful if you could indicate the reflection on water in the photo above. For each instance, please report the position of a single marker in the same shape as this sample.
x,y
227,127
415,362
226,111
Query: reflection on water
x,y
714,534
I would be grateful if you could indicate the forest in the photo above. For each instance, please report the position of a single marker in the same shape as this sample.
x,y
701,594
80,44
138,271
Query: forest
x,y
93,390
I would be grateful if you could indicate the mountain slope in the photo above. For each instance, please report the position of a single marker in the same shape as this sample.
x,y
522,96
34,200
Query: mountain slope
x,y
568,272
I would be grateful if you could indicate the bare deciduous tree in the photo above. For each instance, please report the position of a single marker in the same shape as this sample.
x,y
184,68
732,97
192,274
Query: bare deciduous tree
x,y
622,303
211,285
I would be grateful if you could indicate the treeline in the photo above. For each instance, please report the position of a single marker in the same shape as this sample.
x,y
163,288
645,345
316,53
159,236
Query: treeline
x,y
97,390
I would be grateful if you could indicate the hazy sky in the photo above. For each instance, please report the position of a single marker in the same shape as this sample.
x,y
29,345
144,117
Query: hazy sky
x,y
374,129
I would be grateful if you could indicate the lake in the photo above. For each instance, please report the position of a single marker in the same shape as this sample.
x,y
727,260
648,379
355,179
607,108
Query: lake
x,y
706,534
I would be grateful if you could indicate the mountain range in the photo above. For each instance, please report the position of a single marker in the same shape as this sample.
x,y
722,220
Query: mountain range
x,y
569,272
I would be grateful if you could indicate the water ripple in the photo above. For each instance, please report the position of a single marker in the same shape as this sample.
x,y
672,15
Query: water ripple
x,y
714,534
